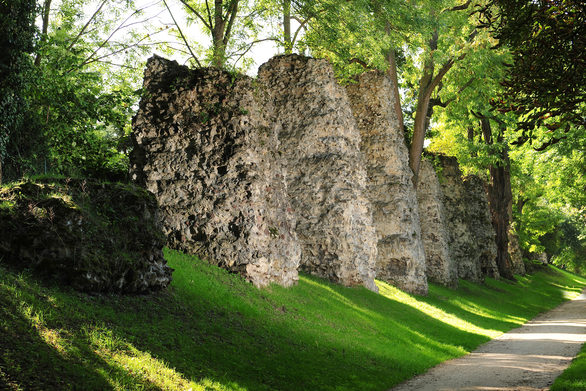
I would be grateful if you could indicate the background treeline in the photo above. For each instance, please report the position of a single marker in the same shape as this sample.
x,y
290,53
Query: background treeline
x,y
498,83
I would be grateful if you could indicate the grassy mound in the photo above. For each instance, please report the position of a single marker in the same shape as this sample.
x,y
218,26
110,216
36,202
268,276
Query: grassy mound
x,y
92,235
213,331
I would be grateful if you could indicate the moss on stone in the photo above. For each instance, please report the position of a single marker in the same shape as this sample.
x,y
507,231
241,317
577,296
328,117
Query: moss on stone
x,y
94,236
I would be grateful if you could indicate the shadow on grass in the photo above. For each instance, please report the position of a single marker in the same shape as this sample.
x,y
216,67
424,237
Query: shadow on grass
x,y
224,334
32,357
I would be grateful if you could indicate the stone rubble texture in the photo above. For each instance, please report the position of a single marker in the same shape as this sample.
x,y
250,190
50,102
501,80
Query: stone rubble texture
x,y
479,223
472,236
516,254
95,237
257,175
291,171
441,266
401,257
203,147
326,179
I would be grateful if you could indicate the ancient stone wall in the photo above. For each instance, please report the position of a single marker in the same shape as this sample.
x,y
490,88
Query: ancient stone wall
x,y
515,253
441,266
513,247
479,222
203,147
93,236
401,259
326,179
468,220
293,171
257,175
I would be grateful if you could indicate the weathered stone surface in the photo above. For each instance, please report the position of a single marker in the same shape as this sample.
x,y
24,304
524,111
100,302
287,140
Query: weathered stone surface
x,y
326,179
94,236
514,249
401,259
480,226
472,243
441,266
515,253
203,146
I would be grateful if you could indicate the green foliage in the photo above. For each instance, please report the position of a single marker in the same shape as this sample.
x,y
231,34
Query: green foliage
x,y
16,44
214,331
546,83
81,94
550,203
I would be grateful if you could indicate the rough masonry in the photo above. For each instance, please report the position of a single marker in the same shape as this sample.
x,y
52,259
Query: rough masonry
x,y
291,171
401,257
257,175
93,236
441,266
326,179
203,147
472,243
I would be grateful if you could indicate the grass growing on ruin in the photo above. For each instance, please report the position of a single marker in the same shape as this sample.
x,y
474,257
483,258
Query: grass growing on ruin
x,y
214,331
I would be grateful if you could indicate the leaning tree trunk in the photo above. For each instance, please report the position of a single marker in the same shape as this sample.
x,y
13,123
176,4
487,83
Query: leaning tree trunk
x,y
499,199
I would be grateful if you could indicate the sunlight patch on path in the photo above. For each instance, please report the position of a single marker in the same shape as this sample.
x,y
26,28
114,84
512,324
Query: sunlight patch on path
x,y
528,358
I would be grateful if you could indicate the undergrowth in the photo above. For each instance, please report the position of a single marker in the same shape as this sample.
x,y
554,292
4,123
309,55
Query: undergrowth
x,y
213,331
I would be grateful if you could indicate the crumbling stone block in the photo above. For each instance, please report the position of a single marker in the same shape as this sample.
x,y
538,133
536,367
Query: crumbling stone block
x,y
96,237
326,179
203,146
441,267
401,257
472,236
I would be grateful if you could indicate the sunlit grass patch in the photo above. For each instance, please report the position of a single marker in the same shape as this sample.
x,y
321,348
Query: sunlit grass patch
x,y
214,331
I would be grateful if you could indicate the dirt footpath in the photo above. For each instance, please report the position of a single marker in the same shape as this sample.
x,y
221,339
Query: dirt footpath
x,y
527,358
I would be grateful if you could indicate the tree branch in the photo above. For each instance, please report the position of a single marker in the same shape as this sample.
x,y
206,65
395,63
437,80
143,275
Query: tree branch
x,y
460,7
232,11
209,26
301,25
86,25
182,36
120,26
240,55
438,102
360,62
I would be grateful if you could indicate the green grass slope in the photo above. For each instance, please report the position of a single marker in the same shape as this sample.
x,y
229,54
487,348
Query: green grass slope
x,y
213,331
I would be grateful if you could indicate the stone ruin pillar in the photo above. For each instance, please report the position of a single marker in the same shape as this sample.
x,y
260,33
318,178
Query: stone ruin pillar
x,y
401,258
472,237
257,175
514,249
441,266
203,147
326,179
480,225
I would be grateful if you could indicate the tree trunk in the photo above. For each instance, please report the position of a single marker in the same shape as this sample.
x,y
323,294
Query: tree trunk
x,y
499,199
44,28
427,84
419,129
393,74
218,49
287,26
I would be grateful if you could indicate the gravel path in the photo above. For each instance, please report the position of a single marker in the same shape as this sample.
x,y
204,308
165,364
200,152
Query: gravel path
x,y
525,359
